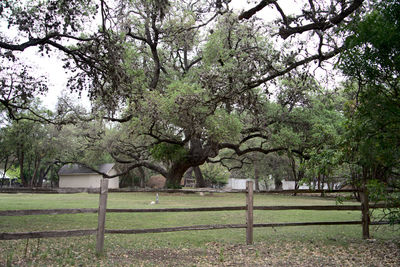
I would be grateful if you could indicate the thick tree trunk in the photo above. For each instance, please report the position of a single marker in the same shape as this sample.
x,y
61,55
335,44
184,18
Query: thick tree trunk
x,y
142,177
196,156
200,183
175,174
35,172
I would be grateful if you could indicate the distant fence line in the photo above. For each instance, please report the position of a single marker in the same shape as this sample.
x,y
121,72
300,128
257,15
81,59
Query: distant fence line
x,y
249,208
43,190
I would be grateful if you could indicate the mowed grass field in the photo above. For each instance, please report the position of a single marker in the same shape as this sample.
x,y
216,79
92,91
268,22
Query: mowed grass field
x,y
188,248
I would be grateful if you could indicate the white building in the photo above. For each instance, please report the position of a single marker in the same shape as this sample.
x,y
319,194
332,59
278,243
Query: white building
x,y
240,184
76,176
288,185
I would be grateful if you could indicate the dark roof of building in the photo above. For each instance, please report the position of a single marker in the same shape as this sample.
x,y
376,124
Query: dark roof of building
x,y
79,169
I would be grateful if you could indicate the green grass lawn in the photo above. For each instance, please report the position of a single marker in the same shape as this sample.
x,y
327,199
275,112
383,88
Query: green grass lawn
x,y
45,248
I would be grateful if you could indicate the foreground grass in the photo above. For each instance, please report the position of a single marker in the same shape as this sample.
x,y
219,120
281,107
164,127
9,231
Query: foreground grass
x,y
179,248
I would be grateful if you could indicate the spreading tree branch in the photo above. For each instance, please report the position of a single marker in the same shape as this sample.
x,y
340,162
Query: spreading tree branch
x,y
251,12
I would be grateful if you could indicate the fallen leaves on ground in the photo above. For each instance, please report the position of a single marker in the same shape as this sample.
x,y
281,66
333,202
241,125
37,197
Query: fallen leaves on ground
x,y
276,254
296,253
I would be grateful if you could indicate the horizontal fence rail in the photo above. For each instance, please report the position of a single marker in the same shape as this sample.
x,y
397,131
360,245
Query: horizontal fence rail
x,y
176,229
45,212
47,234
69,233
180,209
229,208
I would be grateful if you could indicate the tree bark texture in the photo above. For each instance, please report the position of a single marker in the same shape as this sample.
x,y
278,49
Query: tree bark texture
x,y
142,177
200,183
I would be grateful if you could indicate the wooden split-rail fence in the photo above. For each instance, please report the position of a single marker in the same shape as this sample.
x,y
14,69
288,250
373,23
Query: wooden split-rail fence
x,y
249,208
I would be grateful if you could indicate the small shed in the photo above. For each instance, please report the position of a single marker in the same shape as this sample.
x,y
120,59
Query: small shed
x,y
77,176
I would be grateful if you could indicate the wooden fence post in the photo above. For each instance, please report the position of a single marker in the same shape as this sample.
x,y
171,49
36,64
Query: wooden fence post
x,y
365,213
249,213
102,216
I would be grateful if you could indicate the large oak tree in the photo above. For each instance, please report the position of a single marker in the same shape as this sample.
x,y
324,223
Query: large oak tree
x,y
183,79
